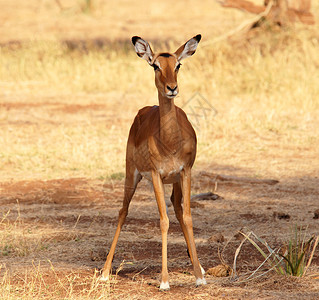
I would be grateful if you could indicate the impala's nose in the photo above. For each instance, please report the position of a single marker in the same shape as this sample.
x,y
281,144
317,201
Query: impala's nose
x,y
171,88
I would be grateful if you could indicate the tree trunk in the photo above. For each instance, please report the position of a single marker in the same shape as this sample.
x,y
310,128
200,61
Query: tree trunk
x,y
281,12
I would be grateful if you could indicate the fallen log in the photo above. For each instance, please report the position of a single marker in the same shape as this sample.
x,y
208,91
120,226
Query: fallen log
x,y
218,177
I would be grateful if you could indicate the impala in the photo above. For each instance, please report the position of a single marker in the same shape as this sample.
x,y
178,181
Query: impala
x,y
162,147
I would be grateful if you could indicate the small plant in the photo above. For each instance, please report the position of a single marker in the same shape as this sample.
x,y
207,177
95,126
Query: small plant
x,y
294,260
299,253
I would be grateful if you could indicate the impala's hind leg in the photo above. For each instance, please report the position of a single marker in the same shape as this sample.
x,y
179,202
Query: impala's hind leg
x,y
176,199
188,223
131,181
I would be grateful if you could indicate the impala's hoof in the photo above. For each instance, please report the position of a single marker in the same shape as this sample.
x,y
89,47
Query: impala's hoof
x,y
104,278
200,281
164,286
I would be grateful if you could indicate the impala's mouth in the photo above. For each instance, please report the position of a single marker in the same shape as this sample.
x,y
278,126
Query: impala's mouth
x,y
171,95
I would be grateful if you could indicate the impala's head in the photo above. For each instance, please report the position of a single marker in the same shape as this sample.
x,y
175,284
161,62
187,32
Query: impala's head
x,y
166,65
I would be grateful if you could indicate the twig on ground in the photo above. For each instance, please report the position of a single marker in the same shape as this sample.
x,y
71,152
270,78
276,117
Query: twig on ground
x,y
311,255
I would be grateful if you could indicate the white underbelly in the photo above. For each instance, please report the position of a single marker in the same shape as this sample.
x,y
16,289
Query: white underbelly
x,y
167,176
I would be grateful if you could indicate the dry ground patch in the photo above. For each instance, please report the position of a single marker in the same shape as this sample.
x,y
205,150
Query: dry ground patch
x,y
56,233
70,85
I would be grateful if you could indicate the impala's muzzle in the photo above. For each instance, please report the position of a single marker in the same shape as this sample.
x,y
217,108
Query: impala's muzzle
x,y
171,90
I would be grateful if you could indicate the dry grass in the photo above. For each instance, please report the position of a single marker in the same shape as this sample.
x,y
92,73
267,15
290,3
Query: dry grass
x,y
50,284
66,113
265,94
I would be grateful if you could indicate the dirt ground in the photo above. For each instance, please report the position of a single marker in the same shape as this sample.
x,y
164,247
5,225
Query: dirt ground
x,y
68,224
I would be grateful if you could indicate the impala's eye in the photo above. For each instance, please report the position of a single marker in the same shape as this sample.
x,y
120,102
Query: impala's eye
x,y
156,67
177,67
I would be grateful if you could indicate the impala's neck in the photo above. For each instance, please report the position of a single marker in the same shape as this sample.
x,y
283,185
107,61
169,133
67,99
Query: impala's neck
x,y
170,132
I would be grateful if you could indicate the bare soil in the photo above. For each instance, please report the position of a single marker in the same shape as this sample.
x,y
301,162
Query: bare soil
x,y
76,220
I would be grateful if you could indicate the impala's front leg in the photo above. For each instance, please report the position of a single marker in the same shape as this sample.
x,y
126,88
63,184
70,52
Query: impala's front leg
x,y
164,223
187,219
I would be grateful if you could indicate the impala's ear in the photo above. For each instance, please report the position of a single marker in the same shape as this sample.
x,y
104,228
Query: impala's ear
x,y
143,49
188,48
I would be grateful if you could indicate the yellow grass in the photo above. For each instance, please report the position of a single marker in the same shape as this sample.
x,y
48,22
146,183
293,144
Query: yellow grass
x,y
265,95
